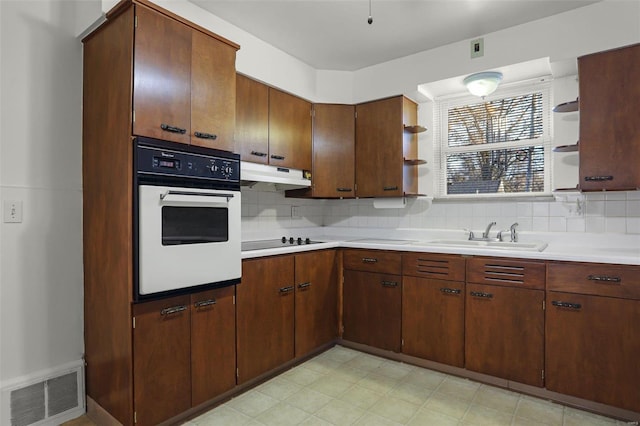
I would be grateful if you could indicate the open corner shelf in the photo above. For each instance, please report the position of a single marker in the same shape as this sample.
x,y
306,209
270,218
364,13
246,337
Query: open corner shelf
x,y
414,161
566,148
415,129
567,106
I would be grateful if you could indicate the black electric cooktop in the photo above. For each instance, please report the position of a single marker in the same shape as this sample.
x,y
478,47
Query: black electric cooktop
x,y
276,243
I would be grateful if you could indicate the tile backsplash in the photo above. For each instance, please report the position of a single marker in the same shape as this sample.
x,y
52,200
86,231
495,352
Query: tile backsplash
x,y
610,212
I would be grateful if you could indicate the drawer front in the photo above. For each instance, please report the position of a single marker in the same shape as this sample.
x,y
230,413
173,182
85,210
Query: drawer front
x,y
437,266
595,278
506,272
373,261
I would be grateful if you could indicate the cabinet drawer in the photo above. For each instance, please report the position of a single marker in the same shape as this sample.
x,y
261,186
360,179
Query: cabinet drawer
x,y
506,272
438,266
595,278
373,261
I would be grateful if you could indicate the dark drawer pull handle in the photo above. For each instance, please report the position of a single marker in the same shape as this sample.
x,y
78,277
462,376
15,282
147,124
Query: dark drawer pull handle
x,y
205,135
389,283
369,260
604,278
560,304
259,154
277,157
173,310
446,290
173,129
344,189
390,188
481,294
597,178
304,285
203,303
286,289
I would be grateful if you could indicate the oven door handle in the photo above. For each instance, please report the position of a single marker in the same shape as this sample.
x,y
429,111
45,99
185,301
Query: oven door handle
x,y
202,195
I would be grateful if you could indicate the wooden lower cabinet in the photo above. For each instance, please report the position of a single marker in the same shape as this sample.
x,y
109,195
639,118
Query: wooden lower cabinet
x,y
372,304
162,359
592,347
265,320
504,332
433,319
316,301
213,344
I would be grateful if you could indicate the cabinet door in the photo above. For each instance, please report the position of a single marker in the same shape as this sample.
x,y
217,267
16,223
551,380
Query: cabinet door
x,y
265,303
433,319
213,343
316,305
162,77
372,309
333,151
161,359
213,92
379,161
609,125
592,347
289,131
252,120
504,332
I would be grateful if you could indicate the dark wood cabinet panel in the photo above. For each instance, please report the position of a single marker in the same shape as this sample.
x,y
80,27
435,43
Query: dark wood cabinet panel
x,y
504,332
595,278
265,315
433,319
289,130
316,302
162,77
333,173
508,272
379,159
213,92
609,125
213,343
252,120
437,266
373,261
162,359
372,304
592,347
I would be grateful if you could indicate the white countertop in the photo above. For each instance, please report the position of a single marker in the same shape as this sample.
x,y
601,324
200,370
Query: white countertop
x,y
577,247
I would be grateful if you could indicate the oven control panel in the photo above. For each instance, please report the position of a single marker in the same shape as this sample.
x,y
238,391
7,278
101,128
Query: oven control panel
x,y
174,163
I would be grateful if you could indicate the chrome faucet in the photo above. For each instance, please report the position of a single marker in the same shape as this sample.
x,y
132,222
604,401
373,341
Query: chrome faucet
x,y
514,235
485,234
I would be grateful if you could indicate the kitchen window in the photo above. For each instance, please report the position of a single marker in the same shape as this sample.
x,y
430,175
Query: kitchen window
x,y
495,147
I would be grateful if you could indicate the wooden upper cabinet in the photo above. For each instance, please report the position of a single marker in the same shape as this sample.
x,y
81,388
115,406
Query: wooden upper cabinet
x,y
333,174
609,125
252,120
213,93
184,83
162,77
289,130
383,145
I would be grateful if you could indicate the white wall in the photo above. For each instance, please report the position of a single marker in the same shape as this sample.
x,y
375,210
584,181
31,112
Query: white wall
x,y
41,296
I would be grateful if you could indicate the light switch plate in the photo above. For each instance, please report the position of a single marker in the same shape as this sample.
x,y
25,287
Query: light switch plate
x,y
12,211
477,48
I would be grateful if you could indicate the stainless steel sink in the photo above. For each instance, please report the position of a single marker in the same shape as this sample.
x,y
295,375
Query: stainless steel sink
x,y
495,245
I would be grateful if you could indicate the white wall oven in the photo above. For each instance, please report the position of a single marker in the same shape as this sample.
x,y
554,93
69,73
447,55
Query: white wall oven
x,y
187,219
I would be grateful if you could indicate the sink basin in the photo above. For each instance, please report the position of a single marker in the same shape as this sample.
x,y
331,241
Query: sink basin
x,y
496,245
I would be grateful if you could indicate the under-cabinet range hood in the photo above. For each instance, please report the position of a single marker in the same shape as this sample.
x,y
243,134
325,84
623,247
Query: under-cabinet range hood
x,y
263,176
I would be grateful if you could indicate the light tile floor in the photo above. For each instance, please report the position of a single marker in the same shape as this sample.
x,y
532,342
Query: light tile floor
x,y
345,387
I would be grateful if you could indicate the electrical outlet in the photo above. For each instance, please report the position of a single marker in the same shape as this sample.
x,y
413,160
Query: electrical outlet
x,y
477,48
295,212
12,211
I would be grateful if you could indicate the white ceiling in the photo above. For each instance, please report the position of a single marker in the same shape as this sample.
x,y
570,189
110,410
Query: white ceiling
x,y
334,35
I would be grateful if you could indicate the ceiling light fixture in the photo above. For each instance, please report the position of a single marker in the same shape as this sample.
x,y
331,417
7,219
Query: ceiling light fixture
x,y
483,83
370,20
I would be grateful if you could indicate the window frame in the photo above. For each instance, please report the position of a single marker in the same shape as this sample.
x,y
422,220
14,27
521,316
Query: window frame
x,y
441,148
